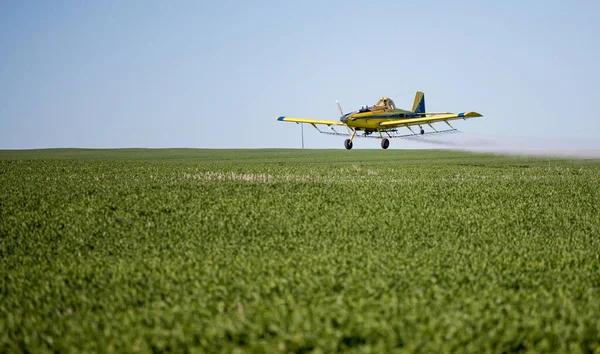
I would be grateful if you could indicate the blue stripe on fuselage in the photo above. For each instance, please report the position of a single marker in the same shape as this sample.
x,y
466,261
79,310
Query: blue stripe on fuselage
x,y
391,116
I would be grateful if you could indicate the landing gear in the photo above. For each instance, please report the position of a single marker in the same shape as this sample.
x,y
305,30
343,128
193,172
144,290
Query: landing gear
x,y
348,144
385,143
422,131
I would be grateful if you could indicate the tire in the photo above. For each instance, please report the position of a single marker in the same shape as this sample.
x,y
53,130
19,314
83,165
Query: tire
x,y
385,143
348,144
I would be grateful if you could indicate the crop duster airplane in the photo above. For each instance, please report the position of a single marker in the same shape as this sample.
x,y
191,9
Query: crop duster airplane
x,y
383,121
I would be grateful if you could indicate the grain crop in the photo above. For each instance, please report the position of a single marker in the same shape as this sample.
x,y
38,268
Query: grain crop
x,y
297,251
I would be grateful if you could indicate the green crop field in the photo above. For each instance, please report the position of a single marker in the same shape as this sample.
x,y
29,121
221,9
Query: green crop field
x,y
297,251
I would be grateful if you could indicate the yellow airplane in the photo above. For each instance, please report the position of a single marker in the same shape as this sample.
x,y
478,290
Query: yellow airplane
x,y
385,119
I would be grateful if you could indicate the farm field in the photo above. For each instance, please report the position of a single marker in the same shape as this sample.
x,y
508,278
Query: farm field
x,y
297,251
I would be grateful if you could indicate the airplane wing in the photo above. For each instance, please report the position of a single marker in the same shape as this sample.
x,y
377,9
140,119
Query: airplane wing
x,y
309,121
431,119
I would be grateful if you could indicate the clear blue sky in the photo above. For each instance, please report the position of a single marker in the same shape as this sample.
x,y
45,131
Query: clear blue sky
x,y
216,73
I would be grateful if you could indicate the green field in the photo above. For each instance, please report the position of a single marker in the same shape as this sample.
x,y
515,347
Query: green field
x,y
297,251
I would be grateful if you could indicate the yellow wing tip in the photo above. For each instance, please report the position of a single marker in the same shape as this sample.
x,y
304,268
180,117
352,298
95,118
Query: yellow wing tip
x,y
470,115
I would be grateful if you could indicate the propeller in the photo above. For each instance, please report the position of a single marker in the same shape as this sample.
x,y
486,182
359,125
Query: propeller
x,y
337,103
342,118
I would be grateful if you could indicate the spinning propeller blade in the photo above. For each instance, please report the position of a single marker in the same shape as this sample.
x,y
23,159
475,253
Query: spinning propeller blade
x,y
337,103
339,107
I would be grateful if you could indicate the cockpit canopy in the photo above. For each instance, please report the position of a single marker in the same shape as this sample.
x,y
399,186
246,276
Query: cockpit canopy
x,y
386,102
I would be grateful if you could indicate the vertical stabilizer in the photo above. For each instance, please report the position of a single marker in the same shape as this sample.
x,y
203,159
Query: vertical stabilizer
x,y
419,105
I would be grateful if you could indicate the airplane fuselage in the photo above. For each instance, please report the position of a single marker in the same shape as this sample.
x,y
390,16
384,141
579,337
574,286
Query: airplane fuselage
x,y
371,120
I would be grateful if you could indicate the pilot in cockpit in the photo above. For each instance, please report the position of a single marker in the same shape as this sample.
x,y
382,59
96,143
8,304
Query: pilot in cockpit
x,y
384,103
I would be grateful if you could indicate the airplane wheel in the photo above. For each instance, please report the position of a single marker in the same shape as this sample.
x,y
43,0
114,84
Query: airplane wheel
x,y
422,131
348,144
385,143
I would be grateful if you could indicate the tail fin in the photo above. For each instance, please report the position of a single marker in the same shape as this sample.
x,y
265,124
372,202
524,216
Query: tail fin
x,y
419,105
